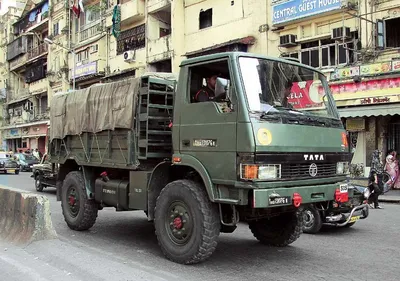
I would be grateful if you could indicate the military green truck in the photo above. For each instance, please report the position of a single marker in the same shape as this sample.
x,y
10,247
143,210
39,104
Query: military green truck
x,y
268,140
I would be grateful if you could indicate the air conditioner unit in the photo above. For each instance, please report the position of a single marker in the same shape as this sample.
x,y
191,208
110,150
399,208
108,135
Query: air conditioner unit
x,y
288,40
129,56
340,33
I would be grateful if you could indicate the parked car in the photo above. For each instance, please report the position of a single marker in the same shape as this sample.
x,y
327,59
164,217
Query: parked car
x,y
44,174
26,161
8,164
336,213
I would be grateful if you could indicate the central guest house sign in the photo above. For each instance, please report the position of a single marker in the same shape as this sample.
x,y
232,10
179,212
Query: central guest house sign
x,y
297,9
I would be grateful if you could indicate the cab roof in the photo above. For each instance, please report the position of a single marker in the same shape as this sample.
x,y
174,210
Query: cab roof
x,y
235,55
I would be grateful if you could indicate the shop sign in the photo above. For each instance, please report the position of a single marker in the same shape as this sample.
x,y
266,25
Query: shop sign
x,y
376,68
297,9
375,100
12,133
85,69
306,94
396,65
345,72
384,86
355,124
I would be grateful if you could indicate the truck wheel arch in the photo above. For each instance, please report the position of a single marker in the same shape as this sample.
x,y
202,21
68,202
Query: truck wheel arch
x,y
167,172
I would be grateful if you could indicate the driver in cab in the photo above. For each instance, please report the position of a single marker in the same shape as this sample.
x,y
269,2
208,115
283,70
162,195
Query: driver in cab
x,y
207,92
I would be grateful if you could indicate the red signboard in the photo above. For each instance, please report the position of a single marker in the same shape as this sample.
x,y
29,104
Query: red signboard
x,y
371,85
306,94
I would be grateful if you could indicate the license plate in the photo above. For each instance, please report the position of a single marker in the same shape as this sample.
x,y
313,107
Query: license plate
x,y
344,188
279,200
10,171
354,219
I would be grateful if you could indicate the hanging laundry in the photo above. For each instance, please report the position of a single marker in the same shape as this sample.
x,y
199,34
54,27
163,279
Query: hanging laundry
x,y
32,16
81,6
75,9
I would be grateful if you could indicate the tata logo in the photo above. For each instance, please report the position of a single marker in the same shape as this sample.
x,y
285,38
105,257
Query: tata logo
x,y
314,157
313,170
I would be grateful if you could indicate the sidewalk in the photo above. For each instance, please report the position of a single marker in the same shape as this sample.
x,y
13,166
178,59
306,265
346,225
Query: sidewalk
x,y
393,196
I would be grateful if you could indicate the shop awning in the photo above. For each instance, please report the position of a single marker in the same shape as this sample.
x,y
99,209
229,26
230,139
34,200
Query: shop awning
x,y
33,136
370,110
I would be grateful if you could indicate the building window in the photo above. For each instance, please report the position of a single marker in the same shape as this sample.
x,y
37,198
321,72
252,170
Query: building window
x,y
84,55
324,53
392,33
43,104
205,18
131,39
56,29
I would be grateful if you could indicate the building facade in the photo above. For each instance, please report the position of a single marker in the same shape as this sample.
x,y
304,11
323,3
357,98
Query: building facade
x,y
355,43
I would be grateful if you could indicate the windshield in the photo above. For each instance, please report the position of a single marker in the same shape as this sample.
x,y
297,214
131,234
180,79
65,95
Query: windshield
x,y
274,87
27,157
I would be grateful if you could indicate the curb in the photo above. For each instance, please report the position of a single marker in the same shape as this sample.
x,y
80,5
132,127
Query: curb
x,y
389,200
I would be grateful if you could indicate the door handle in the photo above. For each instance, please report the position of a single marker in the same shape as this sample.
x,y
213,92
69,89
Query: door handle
x,y
186,143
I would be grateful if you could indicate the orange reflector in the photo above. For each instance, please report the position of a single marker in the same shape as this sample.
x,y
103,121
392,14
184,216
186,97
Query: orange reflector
x,y
176,159
250,172
344,140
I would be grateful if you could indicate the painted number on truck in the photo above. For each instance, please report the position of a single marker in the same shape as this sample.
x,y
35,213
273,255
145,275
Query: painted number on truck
x,y
279,200
204,143
343,188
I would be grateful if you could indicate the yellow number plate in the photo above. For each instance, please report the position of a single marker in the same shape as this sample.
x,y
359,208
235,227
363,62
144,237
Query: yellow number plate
x,y
354,219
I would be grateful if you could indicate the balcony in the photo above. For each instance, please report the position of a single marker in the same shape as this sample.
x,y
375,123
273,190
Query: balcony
x,y
18,62
39,86
160,49
37,52
154,6
131,11
90,30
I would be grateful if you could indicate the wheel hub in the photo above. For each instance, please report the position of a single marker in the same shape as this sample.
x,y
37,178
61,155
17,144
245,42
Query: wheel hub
x,y
308,218
179,223
73,202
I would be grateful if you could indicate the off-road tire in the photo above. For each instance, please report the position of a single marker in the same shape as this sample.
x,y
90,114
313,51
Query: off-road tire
x,y
88,210
278,231
203,239
38,183
312,220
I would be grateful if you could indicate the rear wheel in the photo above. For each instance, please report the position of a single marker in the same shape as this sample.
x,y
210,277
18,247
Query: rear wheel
x,y
38,183
280,231
312,220
186,222
79,212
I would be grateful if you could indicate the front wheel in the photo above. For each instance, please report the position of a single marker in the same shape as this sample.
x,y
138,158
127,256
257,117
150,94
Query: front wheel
x,y
312,220
38,183
79,212
186,222
16,172
280,230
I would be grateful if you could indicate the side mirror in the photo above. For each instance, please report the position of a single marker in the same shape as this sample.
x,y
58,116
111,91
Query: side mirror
x,y
221,86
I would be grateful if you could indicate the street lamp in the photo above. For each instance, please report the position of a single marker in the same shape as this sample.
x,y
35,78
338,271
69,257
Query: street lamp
x,y
51,42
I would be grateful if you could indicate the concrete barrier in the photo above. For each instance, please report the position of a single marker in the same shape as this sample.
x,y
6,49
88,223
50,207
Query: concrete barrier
x,y
24,217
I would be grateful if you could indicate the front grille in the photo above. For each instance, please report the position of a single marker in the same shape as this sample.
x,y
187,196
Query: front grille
x,y
302,171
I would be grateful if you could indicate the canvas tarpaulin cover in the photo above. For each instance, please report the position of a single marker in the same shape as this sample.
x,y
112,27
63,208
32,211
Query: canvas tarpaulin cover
x,y
100,107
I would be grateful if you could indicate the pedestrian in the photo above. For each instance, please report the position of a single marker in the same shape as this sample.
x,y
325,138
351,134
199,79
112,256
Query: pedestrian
x,y
392,168
36,153
373,185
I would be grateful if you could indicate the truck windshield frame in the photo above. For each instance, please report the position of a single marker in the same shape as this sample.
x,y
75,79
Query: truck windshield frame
x,y
280,87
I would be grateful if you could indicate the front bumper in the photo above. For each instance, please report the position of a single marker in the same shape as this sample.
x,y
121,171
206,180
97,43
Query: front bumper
x,y
359,212
262,198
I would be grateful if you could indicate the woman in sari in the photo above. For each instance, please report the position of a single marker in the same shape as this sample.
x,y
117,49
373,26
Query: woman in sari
x,y
392,168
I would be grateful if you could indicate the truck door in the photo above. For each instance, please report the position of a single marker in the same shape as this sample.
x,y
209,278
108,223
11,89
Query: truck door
x,y
208,128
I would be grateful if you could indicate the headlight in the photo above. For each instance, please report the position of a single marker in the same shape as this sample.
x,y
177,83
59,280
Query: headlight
x,y
260,172
342,168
